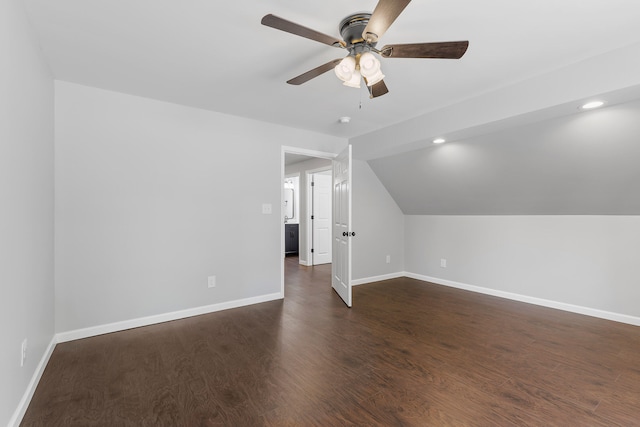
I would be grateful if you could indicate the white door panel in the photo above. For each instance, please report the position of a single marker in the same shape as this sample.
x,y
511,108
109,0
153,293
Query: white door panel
x,y
341,267
322,218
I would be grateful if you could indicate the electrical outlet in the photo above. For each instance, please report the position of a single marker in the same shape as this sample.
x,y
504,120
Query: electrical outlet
x,y
211,283
443,263
23,352
388,259
267,209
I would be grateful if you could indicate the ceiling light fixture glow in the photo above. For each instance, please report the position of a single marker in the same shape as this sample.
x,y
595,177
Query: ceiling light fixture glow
x,y
352,68
439,140
355,79
593,104
370,68
344,70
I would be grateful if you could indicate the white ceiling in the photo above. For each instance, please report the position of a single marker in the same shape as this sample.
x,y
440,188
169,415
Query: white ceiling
x,y
217,56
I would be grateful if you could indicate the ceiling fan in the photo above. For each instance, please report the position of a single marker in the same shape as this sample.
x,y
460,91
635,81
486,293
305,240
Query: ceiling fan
x,y
360,33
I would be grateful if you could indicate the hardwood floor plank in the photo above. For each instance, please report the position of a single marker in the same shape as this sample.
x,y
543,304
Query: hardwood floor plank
x,y
409,353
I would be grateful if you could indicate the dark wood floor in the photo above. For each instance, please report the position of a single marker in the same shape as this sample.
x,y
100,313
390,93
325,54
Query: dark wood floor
x,y
408,353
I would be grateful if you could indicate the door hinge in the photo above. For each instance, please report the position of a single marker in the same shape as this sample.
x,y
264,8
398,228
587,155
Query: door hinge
x,y
311,216
313,184
311,250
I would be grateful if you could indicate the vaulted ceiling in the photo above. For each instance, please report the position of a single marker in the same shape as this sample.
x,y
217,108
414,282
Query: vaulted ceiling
x,y
528,62
217,56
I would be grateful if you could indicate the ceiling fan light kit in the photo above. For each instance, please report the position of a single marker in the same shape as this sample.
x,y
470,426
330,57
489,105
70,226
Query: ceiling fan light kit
x,y
345,69
352,68
355,79
370,68
360,33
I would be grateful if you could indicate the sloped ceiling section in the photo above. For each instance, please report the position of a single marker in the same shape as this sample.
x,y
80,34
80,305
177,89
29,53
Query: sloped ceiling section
x,y
613,76
217,56
583,164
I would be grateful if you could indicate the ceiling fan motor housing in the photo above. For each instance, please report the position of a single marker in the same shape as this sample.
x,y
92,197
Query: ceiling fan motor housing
x,y
351,29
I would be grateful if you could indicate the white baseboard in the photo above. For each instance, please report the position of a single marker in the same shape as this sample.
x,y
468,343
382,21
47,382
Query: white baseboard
x,y
304,262
616,317
16,419
357,282
160,318
166,317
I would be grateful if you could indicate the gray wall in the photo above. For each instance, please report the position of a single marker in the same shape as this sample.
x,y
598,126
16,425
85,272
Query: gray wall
x,y
151,198
585,261
379,226
26,194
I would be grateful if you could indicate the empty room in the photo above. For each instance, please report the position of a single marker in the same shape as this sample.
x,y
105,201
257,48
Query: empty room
x,y
281,213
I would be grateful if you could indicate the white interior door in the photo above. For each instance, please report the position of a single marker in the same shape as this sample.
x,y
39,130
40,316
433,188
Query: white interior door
x,y
341,267
322,196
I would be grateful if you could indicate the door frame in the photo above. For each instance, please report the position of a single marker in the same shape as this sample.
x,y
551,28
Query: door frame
x,y
309,230
305,152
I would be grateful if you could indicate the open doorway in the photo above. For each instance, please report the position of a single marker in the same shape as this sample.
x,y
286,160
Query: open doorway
x,y
304,165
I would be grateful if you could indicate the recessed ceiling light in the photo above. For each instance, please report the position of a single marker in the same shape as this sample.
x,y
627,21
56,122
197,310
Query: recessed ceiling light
x,y
344,120
593,104
439,140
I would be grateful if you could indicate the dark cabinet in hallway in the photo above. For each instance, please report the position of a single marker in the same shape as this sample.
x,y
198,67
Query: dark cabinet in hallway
x,y
290,239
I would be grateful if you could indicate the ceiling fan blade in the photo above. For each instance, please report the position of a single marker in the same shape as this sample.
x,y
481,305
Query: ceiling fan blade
x,y
377,89
305,77
445,50
297,29
383,15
